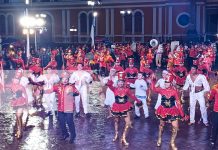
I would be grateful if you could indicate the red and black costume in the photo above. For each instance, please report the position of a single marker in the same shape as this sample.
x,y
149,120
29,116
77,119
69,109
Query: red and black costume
x,y
180,73
131,72
18,100
121,105
170,108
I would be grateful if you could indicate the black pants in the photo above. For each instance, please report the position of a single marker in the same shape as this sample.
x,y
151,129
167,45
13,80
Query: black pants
x,y
214,129
67,118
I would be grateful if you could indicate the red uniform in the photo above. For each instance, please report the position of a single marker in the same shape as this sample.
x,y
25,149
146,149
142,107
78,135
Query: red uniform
x,y
131,74
118,68
147,72
52,64
214,96
19,62
65,93
180,73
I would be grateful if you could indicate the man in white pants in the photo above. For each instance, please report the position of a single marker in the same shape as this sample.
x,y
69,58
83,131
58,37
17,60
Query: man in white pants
x,y
159,53
82,79
140,92
49,99
199,86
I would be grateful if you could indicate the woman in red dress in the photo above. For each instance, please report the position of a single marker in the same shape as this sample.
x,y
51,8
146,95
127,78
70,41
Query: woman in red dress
x,y
18,102
121,107
170,110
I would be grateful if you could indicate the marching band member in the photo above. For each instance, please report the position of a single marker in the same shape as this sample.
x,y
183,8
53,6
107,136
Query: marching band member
x,y
65,93
121,107
159,53
180,73
102,64
19,60
53,63
198,87
213,96
117,66
70,60
169,111
150,56
82,79
131,72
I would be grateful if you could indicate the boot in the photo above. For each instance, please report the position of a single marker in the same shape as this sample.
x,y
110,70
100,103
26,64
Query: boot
x,y
173,138
159,141
116,131
19,128
123,140
25,123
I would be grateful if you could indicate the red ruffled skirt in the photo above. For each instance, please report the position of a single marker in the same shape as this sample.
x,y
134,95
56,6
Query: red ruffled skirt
x,y
121,110
19,102
168,114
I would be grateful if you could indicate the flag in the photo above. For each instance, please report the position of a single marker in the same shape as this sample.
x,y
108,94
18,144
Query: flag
x,y
92,32
92,35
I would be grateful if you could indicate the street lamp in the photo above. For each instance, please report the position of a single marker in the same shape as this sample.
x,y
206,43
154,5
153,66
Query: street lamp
x,y
31,25
73,29
95,14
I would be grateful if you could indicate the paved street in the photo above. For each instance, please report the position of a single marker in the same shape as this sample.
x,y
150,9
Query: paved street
x,y
96,133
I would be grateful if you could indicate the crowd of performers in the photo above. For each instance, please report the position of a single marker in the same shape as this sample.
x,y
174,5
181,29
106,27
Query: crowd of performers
x,y
129,77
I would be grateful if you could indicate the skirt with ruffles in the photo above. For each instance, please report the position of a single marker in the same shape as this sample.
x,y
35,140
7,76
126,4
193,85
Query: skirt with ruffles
x,y
19,102
121,110
168,114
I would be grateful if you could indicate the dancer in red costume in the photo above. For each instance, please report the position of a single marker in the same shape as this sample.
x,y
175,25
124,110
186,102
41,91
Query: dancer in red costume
x,y
169,111
131,72
121,107
18,102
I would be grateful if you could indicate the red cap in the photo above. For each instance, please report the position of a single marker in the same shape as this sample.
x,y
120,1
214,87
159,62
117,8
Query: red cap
x,y
121,76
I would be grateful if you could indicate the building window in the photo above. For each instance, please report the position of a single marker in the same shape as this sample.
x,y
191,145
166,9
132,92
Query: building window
x,y
2,25
10,25
83,23
128,23
138,22
183,20
90,21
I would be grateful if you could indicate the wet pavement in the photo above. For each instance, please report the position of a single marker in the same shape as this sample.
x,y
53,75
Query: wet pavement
x,y
96,133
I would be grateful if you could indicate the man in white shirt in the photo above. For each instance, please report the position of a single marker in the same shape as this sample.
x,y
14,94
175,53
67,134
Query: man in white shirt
x,y
49,99
82,79
140,92
199,86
